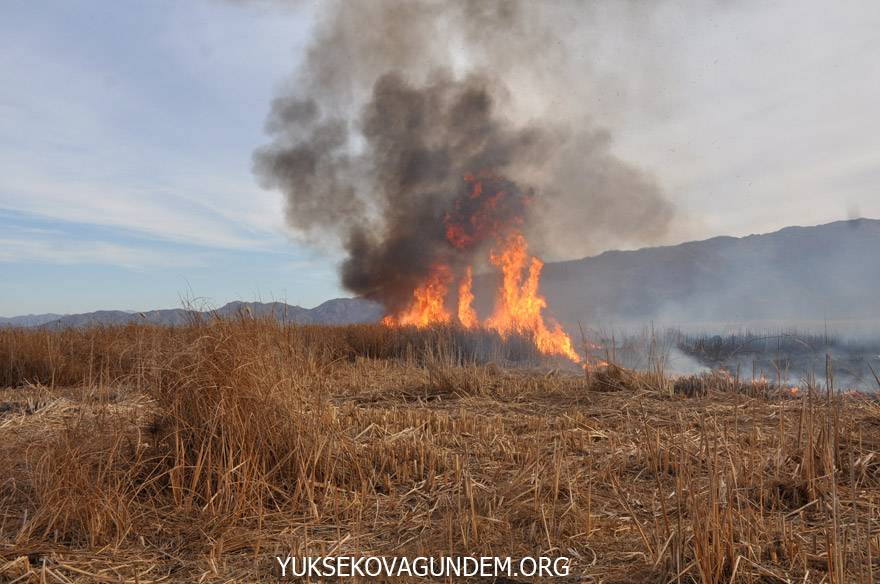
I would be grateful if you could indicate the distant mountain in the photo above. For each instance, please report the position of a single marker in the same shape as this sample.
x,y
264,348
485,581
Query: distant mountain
x,y
798,273
28,319
337,311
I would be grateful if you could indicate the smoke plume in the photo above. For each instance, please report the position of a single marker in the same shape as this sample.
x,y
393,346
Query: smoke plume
x,y
415,130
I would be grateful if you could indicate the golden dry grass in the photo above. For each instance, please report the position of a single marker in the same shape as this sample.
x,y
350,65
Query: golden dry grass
x,y
147,454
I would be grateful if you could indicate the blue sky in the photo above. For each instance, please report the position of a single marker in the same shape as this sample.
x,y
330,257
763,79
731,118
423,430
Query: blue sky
x,y
127,129
126,132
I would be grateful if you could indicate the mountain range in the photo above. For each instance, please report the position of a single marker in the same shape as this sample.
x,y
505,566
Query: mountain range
x,y
829,271
336,311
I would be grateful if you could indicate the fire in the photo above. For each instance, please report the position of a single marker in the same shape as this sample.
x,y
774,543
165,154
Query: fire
x,y
489,209
467,316
428,304
519,305
600,364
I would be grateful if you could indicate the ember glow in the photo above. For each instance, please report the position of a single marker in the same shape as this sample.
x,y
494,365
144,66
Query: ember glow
x,y
491,210
597,365
489,207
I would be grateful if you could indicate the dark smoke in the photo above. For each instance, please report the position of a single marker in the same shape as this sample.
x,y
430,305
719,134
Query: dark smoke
x,y
397,103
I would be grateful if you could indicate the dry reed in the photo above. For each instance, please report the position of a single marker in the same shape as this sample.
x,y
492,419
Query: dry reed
x,y
197,453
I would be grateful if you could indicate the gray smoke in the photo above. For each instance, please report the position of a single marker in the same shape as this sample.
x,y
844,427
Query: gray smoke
x,y
397,102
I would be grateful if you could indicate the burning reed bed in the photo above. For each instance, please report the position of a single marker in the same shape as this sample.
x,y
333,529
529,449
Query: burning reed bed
x,y
198,453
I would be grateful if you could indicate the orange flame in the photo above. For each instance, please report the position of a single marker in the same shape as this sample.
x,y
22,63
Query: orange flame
x,y
517,309
519,305
490,208
427,307
486,211
467,316
600,364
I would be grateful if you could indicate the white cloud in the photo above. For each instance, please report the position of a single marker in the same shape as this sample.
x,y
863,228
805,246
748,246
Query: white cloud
x,y
752,116
81,142
66,252
775,119
144,211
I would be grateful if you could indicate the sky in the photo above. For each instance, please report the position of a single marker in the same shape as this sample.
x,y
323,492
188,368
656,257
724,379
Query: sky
x,y
127,132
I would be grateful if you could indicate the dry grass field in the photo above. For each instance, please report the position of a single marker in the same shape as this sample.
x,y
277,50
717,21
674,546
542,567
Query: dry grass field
x,y
196,454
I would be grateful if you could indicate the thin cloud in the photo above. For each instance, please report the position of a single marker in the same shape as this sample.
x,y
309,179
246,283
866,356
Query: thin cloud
x,y
65,252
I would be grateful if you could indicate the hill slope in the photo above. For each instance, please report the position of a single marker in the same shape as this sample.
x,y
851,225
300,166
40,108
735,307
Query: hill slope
x,y
28,320
828,271
798,273
337,311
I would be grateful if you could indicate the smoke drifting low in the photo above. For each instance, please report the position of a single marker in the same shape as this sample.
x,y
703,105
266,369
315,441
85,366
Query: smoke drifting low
x,y
397,106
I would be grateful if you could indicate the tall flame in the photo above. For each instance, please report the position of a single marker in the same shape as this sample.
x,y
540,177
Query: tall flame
x,y
519,305
467,316
489,209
